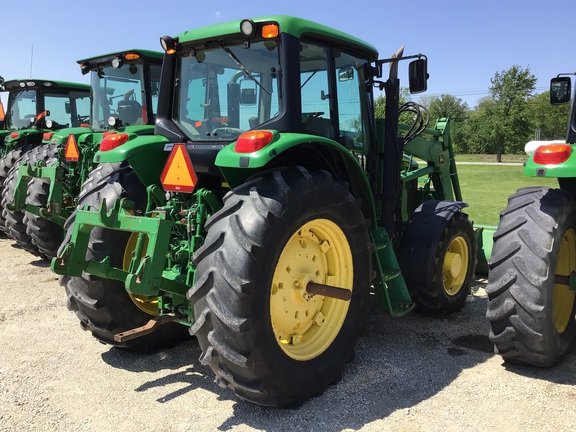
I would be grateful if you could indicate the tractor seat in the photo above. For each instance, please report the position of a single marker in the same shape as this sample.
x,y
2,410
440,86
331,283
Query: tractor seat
x,y
130,112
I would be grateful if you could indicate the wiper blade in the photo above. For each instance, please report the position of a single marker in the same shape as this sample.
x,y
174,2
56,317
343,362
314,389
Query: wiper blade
x,y
244,69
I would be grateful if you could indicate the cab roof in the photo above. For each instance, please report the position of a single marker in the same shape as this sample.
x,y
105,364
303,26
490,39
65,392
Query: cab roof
x,y
31,83
148,55
298,27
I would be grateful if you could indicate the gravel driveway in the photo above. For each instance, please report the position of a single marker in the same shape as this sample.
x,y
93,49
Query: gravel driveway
x,y
410,374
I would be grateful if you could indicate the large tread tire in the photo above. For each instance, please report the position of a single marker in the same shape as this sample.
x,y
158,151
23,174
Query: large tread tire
x,y
531,312
6,164
103,306
44,234
233,290
14,221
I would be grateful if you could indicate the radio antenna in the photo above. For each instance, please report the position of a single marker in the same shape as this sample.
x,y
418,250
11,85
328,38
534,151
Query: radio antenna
x,y
31,60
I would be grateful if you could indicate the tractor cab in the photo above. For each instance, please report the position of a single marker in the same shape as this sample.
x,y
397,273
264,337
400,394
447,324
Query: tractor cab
x,y
44,104
124,88
37,108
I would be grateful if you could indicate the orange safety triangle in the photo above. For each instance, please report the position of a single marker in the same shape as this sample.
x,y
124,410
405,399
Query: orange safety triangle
x,y
71,152
178,174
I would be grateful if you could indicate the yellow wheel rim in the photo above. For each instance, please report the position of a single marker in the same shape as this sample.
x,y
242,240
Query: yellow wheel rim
x,y
145,303
562,296
305,325
455,265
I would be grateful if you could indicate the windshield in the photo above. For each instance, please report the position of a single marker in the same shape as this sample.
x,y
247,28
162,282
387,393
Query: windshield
x,y
67,109
120,92
226,90
22,110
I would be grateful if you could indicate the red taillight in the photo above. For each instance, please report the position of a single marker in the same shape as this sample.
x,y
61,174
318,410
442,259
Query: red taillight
x,y
112,141
552,154
47,136
253,141
14,135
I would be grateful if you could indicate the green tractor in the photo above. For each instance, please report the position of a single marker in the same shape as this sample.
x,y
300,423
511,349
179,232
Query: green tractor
x,y
40,192
36,109
3,128
532,280
268,207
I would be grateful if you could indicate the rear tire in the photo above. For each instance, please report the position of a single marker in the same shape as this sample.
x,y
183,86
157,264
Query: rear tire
x,y
261,334
6,164
103,306
531,314
14,221
44,234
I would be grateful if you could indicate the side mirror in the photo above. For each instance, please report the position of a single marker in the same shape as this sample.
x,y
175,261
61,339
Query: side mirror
x,y
247,92
560,90
154,85
67,107
418,75
346,74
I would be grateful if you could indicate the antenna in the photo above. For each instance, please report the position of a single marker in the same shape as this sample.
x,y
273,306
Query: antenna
x,y
31,60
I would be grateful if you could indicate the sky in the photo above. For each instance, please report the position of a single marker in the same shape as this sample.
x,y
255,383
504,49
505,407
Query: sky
x,y
466,41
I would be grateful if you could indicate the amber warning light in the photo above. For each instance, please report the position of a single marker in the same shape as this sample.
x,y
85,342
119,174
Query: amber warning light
x,y
178,174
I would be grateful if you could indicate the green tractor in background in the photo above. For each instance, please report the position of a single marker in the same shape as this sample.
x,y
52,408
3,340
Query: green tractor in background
x,y
40,192
532,279
267,208
36,109
3,127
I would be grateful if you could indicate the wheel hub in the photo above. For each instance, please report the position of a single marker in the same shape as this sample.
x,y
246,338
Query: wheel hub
x,y
455,265
563,297
305,324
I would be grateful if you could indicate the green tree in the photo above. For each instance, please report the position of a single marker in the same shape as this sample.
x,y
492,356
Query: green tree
x,y
549,121
511,91
456,110
478,131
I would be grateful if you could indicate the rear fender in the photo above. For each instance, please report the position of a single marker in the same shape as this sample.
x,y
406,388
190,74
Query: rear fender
x,y
294,149
561,170
145,154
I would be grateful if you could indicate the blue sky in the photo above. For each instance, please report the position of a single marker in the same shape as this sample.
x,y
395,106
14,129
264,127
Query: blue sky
x,y
466,41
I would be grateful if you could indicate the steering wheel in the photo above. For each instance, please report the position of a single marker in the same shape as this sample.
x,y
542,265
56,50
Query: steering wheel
x,y
226,132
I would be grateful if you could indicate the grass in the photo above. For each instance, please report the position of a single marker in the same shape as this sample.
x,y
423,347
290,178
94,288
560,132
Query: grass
x,y
486,189
490,158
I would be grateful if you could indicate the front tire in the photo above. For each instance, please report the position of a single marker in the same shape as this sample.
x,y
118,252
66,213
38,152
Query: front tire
x,y
531,307
438,258
260,332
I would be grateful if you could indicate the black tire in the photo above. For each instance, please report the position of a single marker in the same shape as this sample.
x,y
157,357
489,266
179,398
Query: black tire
x,y
438,259
531,310
14,223
44,234
103,306
236,303
6,164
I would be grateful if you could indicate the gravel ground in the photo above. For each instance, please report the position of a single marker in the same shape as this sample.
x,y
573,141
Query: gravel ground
x,y
410,374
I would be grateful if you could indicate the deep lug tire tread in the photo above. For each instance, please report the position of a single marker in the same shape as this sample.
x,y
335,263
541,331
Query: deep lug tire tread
x,y
102,305
44,234
521,278
234,269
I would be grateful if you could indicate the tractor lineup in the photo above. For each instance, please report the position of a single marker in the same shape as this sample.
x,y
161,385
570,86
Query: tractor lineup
x,y
239,188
